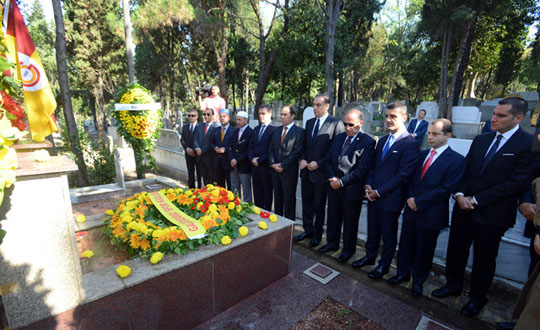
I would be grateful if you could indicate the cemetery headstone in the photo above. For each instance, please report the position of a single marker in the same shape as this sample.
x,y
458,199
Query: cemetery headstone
x,y
307,115
466,122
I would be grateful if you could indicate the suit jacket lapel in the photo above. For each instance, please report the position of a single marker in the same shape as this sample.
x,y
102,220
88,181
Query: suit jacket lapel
x,y
395,145
508,147
437,161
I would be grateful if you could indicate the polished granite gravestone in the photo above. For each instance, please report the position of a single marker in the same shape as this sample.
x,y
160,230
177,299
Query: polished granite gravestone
x,y
181,291
38,258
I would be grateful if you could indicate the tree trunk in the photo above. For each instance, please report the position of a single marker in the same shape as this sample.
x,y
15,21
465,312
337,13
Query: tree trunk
x,y
129,41
100,108
332,12
341,89
246,92
472,85
265,66
60,44
462,61
443,83
234,97
486,85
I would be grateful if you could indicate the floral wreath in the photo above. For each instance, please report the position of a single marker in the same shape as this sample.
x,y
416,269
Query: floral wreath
x,y
138,226
139,128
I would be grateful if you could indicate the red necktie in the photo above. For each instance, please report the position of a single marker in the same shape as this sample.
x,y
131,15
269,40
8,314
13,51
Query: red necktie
x,y
205,129
284,133
427,164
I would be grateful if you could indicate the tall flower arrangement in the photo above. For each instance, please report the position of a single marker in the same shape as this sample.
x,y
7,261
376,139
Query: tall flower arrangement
x,y
139,128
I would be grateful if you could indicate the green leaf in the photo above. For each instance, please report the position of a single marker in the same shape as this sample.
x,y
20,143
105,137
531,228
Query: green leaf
x,y
2,235
177,250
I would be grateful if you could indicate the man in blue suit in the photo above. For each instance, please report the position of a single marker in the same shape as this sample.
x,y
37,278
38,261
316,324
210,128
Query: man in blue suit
x,y
499,166
201,144
221,142
437,174
240,162
320,131
284,153
418,127
347,166
262,178
396,156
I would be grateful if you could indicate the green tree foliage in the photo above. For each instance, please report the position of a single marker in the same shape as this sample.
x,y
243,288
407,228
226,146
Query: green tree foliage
x,y
95,47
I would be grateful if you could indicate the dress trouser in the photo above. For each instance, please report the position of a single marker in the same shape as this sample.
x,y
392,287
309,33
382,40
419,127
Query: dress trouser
x,y
285,192
381,223
342,210
465,231
416,250
262,186
313,206
192,164
241,184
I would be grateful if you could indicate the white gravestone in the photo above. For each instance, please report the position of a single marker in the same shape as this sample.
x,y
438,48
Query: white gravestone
x,y
466,122
431,108
307,115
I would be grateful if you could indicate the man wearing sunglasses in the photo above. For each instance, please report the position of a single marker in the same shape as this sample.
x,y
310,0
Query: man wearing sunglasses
x,y
347,165
202,145
188,141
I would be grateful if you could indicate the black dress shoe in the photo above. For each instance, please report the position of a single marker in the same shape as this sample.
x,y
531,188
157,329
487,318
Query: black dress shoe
x,y
302,236
363,262
444,292
326,248
471,308
314,242
344,257
506,325
398,279
379,272
416,290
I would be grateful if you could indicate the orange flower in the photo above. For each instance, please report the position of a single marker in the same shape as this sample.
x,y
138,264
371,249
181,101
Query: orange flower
x,y
135,241
171,196
183,235
173,236
119,231
144,244
140,210
182,199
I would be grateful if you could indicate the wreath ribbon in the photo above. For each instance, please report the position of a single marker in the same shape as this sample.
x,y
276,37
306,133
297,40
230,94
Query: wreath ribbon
x,y
191,227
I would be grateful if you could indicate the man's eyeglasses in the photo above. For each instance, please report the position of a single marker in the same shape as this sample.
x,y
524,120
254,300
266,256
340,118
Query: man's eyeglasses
x,y
207,114
349,124
192,115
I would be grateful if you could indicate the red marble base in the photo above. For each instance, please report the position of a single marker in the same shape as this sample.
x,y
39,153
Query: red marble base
x,y
186,297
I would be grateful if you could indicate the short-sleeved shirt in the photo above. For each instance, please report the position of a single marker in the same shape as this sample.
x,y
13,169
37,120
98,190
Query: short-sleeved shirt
x,y
213,102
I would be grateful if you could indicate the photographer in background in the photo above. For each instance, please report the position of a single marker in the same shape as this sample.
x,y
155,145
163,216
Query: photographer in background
x,y
214,101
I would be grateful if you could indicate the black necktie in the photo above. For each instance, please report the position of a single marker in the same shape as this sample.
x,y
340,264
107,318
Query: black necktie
x,y
315,130
491,152
261,132
345,146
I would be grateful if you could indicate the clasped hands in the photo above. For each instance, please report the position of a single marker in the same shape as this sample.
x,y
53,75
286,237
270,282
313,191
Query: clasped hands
x,y
277,167
465,202
371,195
335,183
312,166
219,150
190,152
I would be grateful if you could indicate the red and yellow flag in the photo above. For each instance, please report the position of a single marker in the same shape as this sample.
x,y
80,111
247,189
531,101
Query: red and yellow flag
x,y
39,99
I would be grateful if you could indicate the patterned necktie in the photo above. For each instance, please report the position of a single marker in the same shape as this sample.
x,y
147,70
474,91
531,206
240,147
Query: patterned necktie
x,y
386,146
491,152
284,133
222,133
205,129
427,164
315,130
239,134
261,132
345,146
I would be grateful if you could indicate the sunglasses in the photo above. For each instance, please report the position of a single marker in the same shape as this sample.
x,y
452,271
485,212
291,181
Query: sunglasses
x,y
192,115
207,114
349,124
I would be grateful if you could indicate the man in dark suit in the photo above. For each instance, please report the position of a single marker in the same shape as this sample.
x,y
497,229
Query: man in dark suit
x,y
240,162
202,145
499,166
319,131
284,152
188,139
262,178
418,127
348,163
221,143
396,156
437,174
